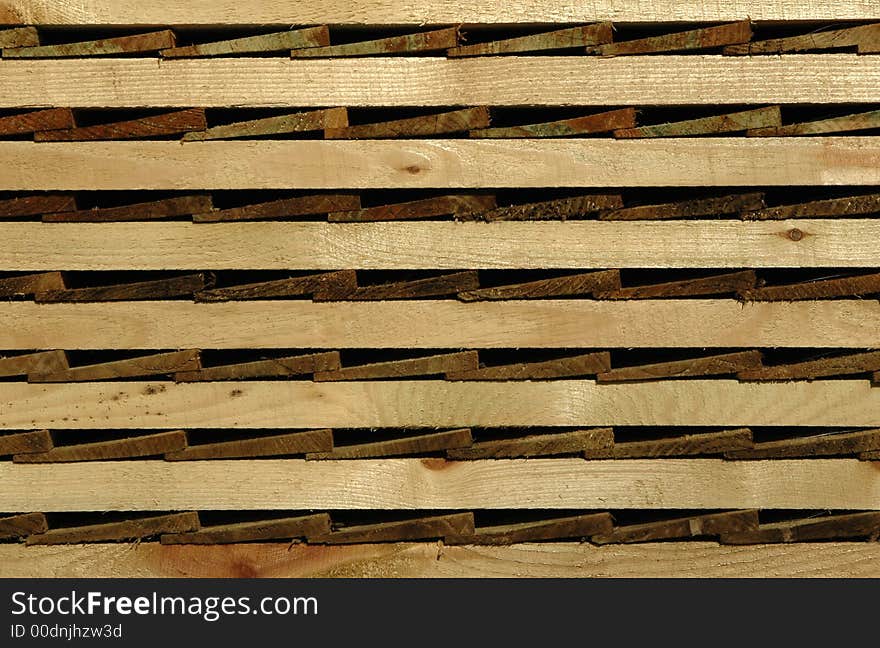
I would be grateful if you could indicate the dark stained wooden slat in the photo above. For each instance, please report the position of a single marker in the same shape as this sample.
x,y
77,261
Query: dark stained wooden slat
x,y
132,529
31,284
732,282
413,445
864,37
587,125
300,122
149,42
568,38
426,528
333,283
37,363
871,455
843,124
154,210
38,120
293,443
715,365
430,41
277,42
277,529
424,366
854,363
150,445
841,443
172,123
18,526
19,37
448,284
598,442
822,289
576,526
445,123
570,285
728,123
685,445
831,527
458,205
271,368
580,365
558,209
151,365
36,204
699,207
158,289
846,206
25,442
284,208
711,524
695,39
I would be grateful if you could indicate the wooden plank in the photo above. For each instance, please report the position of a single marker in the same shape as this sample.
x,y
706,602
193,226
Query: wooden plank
x,y
685,445
283,208
300,122
696,208
411,445
575,526
847,206
711,524
153,210
296,443
597,441
132,529
342,281
40,362
431,484
843,124
19,37
819,289
297,365
557,209
25,442
151,365
846,365
261,530
24,285
695,39
443,324
277,42
440,285
37,120
148,42
36,204
587,125
173,123
732,282
586,364
149,445
429,41
831,527
860,37
158,289
17,526
423,366
567,286
572,37
455,121
439,526
458,205
715,365
729,123
841,443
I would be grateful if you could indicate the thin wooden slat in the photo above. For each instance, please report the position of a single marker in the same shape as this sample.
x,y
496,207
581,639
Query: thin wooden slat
x,y
430,41
283,208
706,443
17,526
855,363
439,526
569,38
820,289
40,362
712,524
149,445
158,289
717,365
597,441
448,284
19,37
262,530
173,123
36,204
841,443
296,443
844,124
153,210
456,121
847,206
25,285
423,366
458,205
277,42
586,364
575,526
557,209
729,123
587,125
341,282
832,527
721,284
412,445
25,442
132,529
152,365
289,366
863,37
301,122
570,285
149,42
696,39
37,120
431,484
699,207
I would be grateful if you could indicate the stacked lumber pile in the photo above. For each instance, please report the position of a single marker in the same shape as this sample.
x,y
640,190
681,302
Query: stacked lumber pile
x,y
529,288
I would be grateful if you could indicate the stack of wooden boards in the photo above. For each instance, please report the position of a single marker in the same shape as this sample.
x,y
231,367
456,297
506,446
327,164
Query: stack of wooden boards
x,y
525,288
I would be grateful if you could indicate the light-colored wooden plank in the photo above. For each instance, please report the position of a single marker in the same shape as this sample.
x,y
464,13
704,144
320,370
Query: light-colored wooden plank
x,y
151,365
148,42
697,39
420,42
277,42
410,484
436,81
422,366
430,324
571,37
273,529
149,445
407,445
265,446
300,122
598,441
294,404
124,530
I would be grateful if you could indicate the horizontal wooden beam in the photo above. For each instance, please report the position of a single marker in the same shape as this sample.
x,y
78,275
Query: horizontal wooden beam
x,y
436,404
429,324
296,484
437,81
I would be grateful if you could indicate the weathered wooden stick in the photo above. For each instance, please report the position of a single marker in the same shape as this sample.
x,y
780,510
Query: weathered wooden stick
x,y
440,526
132,529
414,445
36,363
277,42
728,363
35,121
573,366
341,282
711,524
19,37
36,204
300,122
820,289
173,123
864,37
847,206
558,209
275,529
576,526
588,125
554,40
456,121
733,282
272,368
147,211
844,124
687,445
431,41
854,363
283,208
841,443
150,445
848,525
448,284
462,206
151,365
424,366
152,290
149,42
19,443
31,284
696,39
18,526
730,123
598,442
571,285
684,209
294,443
